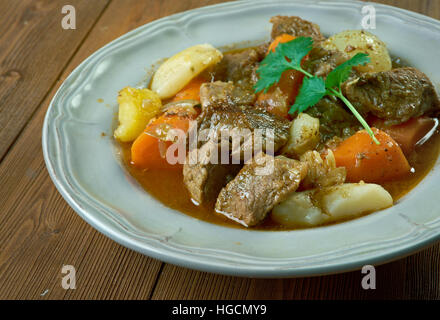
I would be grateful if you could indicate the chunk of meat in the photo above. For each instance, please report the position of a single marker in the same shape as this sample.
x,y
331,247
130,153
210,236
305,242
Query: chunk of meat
x,y
395,96
322,172
221,94
296,27
321,61
243,121
239,67
252,194
203,178
204,174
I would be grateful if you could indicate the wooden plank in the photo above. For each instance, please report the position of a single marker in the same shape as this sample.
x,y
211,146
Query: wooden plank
x,y
34,49
414,277
38,231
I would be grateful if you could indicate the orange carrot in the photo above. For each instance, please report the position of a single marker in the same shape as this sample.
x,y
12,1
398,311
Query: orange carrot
x,y
191,91
367,161
409,133
148,151
282,38
289,85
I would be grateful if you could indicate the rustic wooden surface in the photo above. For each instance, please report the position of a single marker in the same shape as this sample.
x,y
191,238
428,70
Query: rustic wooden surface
x,y
39,232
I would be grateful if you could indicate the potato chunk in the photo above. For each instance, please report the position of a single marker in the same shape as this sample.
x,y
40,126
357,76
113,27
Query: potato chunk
x,y
304,135
318,206
354,41
180,69
136,108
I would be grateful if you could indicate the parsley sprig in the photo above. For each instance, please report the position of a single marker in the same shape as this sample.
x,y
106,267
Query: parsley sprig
x,y
288,56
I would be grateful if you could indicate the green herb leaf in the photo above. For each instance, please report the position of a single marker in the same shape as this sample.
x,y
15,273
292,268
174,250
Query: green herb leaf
x,y
270,70
275,63
341,73
296,49
312,90
289,56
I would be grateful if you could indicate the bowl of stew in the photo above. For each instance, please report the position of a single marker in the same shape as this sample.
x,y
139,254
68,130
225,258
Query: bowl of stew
x,y
272,139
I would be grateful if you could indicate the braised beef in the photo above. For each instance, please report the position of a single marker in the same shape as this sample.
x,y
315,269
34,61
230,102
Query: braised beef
x,y
395,96
244,119
295,26
321,61
239,67
203,178
253,193
204,173
221,94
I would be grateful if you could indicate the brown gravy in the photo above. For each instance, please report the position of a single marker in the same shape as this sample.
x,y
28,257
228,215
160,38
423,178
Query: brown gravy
x,y
167,185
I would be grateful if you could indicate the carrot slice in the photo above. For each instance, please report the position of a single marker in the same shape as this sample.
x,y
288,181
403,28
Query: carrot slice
x,y
367,161
191,91
289,85
409,133
282,38
148,151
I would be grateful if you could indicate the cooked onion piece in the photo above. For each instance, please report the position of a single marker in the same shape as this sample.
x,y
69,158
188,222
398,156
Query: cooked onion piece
x,y
354,41
180,69
303,135
136,108
318,206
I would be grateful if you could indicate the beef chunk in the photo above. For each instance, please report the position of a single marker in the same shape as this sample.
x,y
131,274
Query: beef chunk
x,y
396,95
204,175
295,26
255,191
239,67
321,61
246,118
220,94
205,179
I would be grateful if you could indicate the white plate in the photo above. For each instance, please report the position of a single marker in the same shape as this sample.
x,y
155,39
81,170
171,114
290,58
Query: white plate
x,y
88,173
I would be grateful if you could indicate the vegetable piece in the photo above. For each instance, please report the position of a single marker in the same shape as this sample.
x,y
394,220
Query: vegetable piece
x,y
330,204
288,56
176,72
369,162
136,108
283,38
282,94
304,135
322,170
149,149
352,42
191,91
408,134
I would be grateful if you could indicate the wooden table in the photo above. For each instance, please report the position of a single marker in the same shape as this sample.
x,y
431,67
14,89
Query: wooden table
x,y
39,232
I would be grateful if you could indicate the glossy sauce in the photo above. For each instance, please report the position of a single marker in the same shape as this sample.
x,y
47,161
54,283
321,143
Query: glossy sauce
x,y
167,185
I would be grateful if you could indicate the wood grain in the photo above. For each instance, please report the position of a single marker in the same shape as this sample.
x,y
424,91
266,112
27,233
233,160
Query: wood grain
x,y
34,48
39,233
